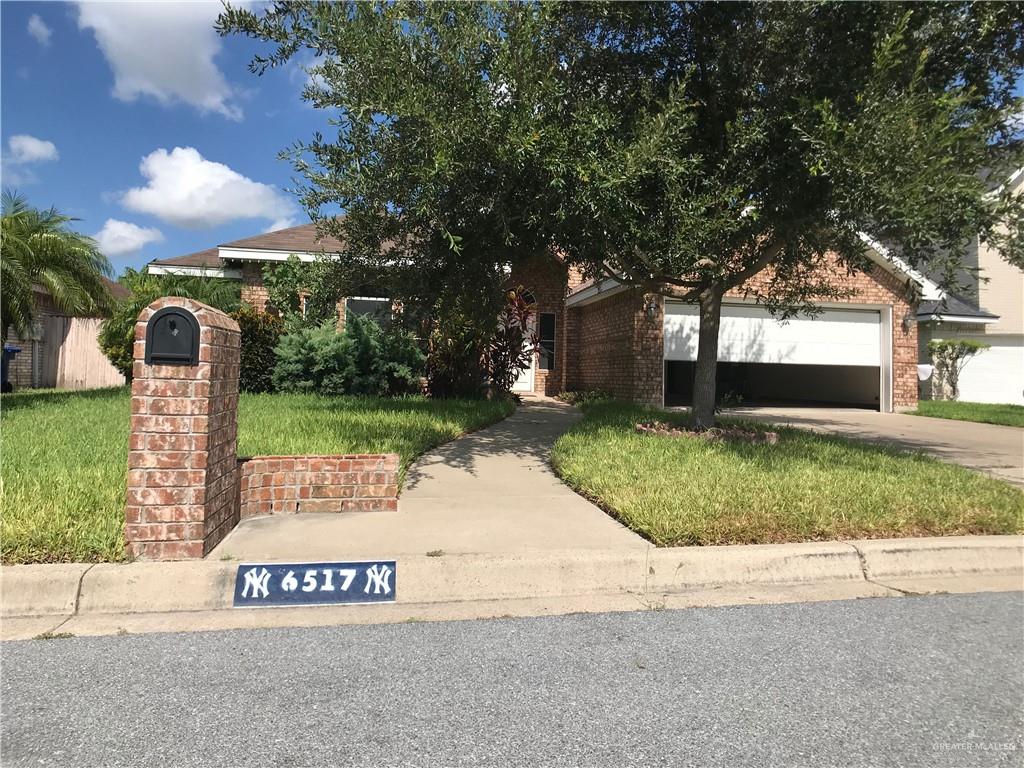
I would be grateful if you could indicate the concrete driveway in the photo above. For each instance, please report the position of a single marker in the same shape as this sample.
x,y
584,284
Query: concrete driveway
x,y
988,448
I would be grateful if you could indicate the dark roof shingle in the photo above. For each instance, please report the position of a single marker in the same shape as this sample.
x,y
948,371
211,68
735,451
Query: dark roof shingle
x,y
303,238
952,305
208,258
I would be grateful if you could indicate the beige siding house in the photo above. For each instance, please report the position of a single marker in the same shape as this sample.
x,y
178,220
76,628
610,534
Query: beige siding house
x,y
992,312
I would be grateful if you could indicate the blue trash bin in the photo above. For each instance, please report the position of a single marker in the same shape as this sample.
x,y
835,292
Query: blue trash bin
x,y
10,352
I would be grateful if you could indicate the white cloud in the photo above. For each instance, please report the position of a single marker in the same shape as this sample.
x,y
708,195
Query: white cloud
x,y
22,151
29,149
162,50
38,29
120,238
185,189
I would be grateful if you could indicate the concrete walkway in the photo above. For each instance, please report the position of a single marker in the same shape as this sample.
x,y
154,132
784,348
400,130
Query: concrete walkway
x,y
488,492
988,448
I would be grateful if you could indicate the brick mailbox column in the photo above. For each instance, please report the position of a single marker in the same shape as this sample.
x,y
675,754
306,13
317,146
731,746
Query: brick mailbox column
x,y
183,494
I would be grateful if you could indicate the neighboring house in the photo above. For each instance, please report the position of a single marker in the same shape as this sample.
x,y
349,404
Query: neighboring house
x,y
861,351
62,351
993,314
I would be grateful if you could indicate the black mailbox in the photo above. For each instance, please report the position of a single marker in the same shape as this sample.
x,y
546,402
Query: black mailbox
x,y
172,337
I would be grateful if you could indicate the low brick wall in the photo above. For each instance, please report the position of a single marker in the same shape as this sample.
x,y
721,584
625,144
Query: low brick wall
x,y
284,485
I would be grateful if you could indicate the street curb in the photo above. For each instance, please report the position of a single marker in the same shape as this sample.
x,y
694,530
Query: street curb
x,y
955,556
40,590
167,587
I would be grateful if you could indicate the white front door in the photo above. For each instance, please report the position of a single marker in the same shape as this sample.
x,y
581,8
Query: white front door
x,y
525,381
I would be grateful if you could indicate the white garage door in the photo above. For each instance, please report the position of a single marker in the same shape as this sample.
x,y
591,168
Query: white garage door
x,y
995,375
748,334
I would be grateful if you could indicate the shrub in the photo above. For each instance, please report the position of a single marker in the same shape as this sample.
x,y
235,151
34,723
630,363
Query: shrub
x,y
261,333
583,397
364,360
402,360
467,349
455,359
314,359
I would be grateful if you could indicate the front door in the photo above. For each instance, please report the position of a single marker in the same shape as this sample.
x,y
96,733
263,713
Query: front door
x,y
525,381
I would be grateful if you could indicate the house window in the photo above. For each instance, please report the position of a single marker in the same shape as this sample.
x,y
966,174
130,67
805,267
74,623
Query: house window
x,y
546,341
374,307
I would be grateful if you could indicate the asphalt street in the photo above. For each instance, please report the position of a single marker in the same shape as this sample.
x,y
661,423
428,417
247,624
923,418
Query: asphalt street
x,y
928,681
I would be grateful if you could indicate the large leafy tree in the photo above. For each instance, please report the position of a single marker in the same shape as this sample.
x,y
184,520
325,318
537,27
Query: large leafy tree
x,y
38,248
682,148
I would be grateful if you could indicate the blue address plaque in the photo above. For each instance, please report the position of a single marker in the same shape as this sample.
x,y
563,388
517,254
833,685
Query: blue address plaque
x,y
282,584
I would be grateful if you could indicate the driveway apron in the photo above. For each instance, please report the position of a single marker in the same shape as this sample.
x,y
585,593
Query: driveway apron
x,y
990,448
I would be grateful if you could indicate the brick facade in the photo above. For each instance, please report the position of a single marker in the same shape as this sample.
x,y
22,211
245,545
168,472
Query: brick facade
x,y
613,344
183,489
253,291
284,485
618,347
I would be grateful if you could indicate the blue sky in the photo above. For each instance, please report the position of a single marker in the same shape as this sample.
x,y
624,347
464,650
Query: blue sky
x,y
137,119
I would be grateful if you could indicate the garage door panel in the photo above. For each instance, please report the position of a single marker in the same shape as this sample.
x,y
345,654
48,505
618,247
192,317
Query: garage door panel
x,y
995,375
749,334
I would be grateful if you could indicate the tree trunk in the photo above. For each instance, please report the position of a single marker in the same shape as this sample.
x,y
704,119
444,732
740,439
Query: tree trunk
x,y
703,413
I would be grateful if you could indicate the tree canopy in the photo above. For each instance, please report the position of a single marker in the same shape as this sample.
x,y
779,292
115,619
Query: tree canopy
x,y
678,147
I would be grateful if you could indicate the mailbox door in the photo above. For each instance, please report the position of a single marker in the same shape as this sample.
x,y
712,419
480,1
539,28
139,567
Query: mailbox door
x,y
172,337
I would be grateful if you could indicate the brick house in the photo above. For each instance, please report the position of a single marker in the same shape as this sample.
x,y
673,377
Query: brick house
x,y
860,351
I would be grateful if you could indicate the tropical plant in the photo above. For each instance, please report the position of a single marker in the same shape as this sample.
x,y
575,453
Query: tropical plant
x,y
455,348
950,357
117,334
678,148
513,345
37,247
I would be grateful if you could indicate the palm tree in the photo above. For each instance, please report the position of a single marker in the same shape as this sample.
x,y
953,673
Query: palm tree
x,y
37,248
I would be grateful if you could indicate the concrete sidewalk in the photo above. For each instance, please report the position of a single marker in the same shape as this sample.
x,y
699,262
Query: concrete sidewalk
x,y
491,491
990,448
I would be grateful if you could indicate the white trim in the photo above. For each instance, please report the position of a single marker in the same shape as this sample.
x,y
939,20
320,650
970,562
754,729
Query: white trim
x,y
1008,183
186,271
255,254
965,319
368,298
595,292
885,361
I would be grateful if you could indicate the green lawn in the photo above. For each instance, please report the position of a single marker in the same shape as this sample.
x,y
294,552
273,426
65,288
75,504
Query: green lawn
x,y
64,455
985,413
688,490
